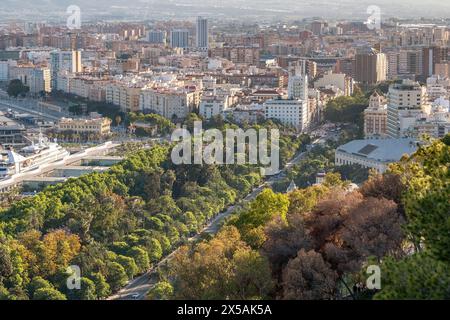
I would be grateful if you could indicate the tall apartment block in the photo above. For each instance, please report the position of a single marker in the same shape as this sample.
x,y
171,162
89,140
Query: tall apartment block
x,y
370,67
64,61
405,103
179,38
202,33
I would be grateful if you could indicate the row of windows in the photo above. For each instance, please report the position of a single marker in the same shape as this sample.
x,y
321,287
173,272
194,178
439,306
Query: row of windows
x,y
79,127
365,164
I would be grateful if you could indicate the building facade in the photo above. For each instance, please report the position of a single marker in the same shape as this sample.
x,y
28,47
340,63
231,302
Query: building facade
x,y
405,103
38,79
170,103
4,69
290,112
64,62
298,87
370,67
98,126
124,96
375,154
431,57
156,37
338,80
375,117
179,38
202,40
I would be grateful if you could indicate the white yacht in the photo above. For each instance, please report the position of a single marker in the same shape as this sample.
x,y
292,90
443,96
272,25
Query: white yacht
x,y
31,157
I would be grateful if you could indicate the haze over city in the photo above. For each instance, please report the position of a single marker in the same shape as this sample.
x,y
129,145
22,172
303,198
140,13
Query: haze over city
x,y
154,9
243,151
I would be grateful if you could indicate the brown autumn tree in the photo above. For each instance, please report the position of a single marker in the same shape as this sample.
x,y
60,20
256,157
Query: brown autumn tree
x,y
309,277
388,185
347,229
329,215
284,240
374,228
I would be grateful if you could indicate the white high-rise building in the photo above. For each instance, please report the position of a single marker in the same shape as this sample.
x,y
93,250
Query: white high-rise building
x,y
4,69
179,38
405,102
36,78
64,61
290,112
298,87
202,33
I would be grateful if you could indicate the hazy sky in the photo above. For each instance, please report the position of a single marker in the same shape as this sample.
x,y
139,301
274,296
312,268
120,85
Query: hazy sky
x,y
300,8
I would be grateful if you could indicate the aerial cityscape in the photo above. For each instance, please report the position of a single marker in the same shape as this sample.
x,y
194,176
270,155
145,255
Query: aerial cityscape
x,y
203,150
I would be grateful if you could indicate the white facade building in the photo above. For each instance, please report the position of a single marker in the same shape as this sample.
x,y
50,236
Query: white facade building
x,y
213,106
405,102
4,69
298,87
434,121
437,87
338,80
246,113
376,154
64,62
291,112
38,79
63,81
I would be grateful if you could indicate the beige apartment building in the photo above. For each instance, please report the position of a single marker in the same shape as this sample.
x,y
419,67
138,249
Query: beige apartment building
x,y
375,117
89,88
127,97
442,69
170,103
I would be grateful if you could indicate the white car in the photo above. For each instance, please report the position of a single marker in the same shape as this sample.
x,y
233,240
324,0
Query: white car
x,y
135,296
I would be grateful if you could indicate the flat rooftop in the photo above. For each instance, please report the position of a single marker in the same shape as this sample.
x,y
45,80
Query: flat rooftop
x,y
384,150
9,123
